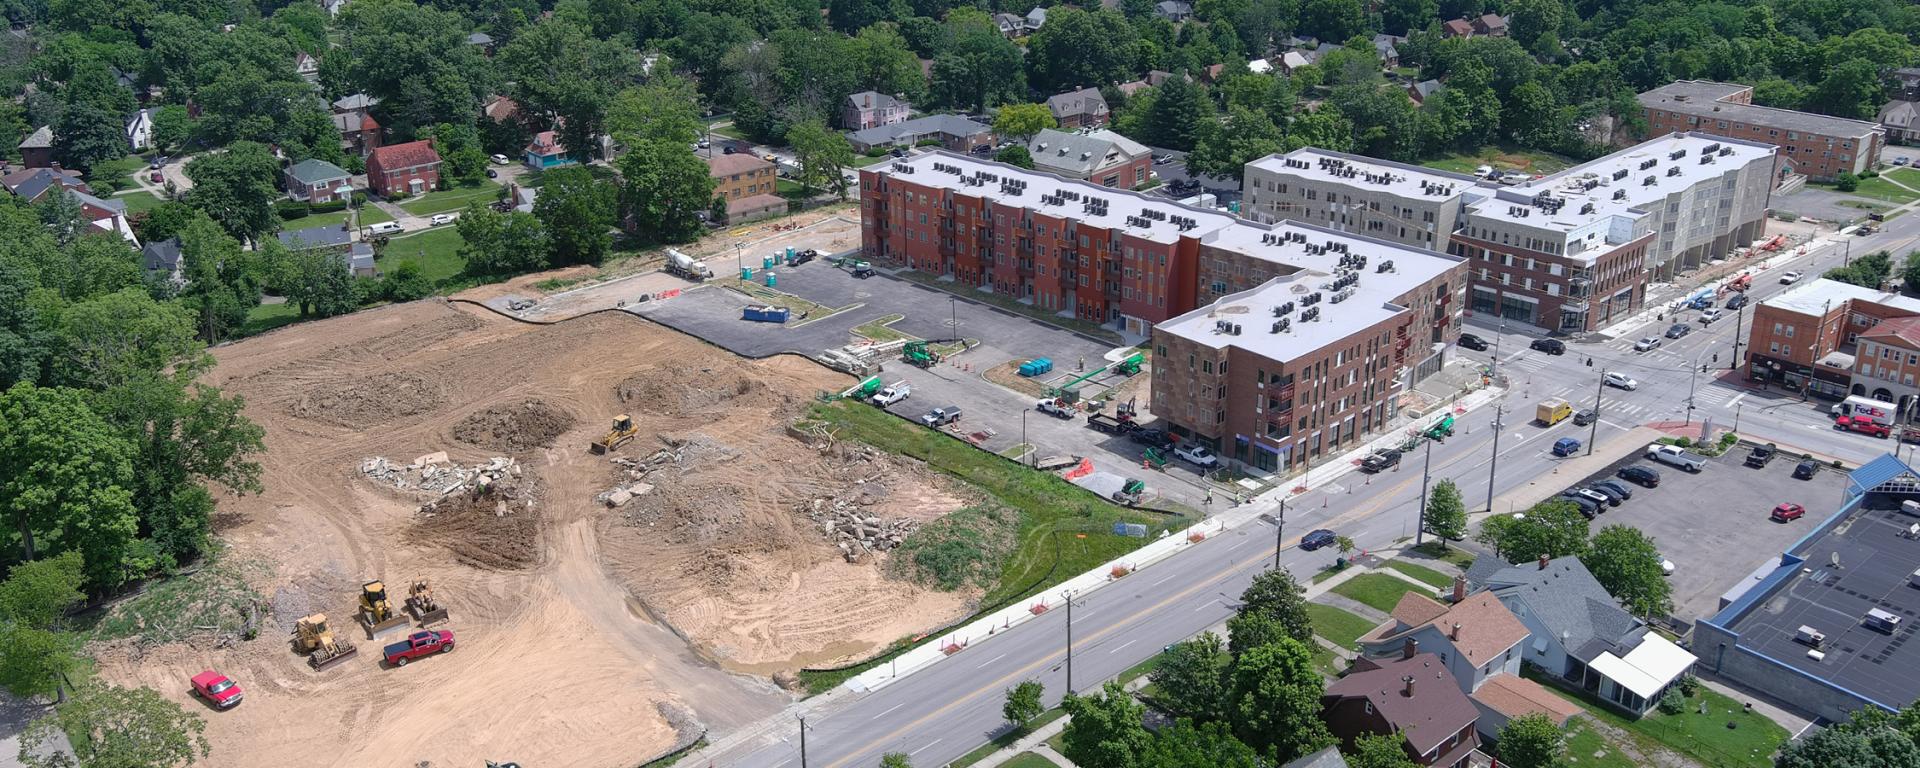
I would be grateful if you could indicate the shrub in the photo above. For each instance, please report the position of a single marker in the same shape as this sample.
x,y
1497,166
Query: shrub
x,y
1674,702
1846,182
1788,216
291,209
1728,439
1682,442
333,207
1689,686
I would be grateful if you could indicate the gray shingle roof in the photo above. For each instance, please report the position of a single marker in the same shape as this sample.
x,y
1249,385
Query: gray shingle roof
x,y
480,38
39,139
951,125
1326,758
316,237
313,172
359,257
872,100
161,255
1569,602
1076,154
354,102
1086,101
1702,98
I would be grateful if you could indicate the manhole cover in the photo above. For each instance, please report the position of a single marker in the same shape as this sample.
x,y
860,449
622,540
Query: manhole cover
x,y
861,294
951,323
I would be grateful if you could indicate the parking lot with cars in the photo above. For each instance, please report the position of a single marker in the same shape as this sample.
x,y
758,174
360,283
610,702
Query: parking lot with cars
x,y
1715,525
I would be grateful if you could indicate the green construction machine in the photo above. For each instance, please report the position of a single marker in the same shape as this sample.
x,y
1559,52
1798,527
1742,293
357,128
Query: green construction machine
x,y
1130,493
1131,365
1069,391
864,389
920,354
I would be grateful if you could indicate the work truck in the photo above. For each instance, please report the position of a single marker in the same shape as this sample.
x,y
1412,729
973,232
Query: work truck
x,y
1675,456
419,644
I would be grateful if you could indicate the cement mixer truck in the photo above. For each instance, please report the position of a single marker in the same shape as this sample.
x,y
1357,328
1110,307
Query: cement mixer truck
x,y
686,266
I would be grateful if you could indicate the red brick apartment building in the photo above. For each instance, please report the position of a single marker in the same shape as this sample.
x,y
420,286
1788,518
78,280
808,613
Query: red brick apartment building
x,y
1831,339
1361,316
1819,146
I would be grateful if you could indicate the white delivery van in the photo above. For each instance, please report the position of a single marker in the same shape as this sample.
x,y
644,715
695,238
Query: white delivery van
x,y
385,228
1880,411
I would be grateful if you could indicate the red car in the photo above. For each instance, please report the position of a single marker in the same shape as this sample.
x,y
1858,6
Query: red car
x,y
217,688
1787,513
1863,425
419,644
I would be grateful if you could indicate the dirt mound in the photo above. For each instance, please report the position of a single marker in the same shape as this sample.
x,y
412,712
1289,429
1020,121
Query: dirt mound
x,y
368,401
494,526
516,428
685,388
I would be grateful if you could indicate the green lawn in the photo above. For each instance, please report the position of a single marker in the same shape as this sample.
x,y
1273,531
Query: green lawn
x,y
1375,589
862,161
728,131
139,201
1586,748
267,317
1006,739
879,329
1461,558
1502,158
1750,743
1880,189
437,250
1422,573
1337,626
369,214
452,199
1028,760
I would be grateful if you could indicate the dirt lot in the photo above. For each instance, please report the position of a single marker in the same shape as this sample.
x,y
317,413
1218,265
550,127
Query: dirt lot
x,y
558,662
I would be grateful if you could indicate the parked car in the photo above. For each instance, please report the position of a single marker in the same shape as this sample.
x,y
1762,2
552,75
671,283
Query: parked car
x,y
1152,438
419,644
1549,346
1806,469
983,149
1900,161
1644,475
1789,278
156,178
1624,491
1647,344
1588,507
727,149
940,417
1614,493
440,219
890,395
218,689
492,174
500,160
1862,424
1475,343
1760,455
1162,159
1787,513
1678,330
703,143
1197,455
1380,461
1584,417
1566,446
1674,455
1594,496
1708,316
1055,408
1317,538
1621,380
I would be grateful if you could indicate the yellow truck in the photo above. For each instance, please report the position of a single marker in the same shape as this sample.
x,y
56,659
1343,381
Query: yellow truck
x,y
1551,411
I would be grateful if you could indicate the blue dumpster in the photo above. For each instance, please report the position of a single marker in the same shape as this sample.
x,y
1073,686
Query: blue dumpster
x,y
1036,366
764,314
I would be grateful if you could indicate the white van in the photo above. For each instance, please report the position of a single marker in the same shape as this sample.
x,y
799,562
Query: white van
x,y
385,228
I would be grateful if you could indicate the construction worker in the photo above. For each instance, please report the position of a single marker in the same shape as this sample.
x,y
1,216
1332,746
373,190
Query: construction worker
x,y
1209,497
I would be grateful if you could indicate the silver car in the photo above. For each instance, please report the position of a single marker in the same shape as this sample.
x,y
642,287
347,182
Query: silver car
x,y
1647,344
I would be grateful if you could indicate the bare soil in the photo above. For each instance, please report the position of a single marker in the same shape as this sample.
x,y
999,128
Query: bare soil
x,y
563,657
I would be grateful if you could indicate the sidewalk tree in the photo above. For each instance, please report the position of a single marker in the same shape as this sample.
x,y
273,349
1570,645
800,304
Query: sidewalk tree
x,y
1910,271
1021,121
1106,731
1023,704
1553,528
1208,745
667,108
1532,741
1192,677
113,726
1274,701
1015,155
1625,561
896,760
1446,512
1275,594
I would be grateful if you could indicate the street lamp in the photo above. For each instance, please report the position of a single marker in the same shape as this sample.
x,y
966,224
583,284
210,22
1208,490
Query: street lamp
x,y
1028,449
1494,464
803,741
1599,393
1279,532
1068,594
953,315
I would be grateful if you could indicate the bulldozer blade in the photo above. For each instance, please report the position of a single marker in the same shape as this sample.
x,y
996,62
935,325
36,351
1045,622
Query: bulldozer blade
x,y
431,617
598,448
374,631
350,652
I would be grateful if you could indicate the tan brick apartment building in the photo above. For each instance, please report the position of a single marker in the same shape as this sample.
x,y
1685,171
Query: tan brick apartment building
x,y
1831,339
1406,204
1819,146
1362,316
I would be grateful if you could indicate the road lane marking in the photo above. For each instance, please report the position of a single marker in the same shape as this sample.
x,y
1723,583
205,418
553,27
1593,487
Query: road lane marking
x,y
889,709
989,661
923,749
1734,401
1116,649
1205,605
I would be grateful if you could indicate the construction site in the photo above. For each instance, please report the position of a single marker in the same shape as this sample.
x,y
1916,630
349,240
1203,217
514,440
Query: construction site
x,y
620,522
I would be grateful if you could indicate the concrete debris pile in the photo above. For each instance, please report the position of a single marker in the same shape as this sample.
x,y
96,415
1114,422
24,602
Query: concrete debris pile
x,y
846,520
434,473
520,305
680,454
620,495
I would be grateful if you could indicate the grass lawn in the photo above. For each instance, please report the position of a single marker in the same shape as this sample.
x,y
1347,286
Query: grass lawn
x,y
1422,573
728,131
1007,739
267,317
452,199
139,201
879,329
1706,738
802,309
437,250
1375,589
789,189
369,214
1880,189
862,161
1461,558
1337,626
1028,760
1502,158
1586,748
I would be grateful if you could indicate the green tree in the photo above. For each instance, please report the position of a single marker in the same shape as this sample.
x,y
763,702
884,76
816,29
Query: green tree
x,y
1022,121
64,479
1172,114
1446,513
1553,528
495,243
1380,751
1275,593
1399,17
578,212
405,282
1332,19
824,157
1846,182
1208,745
37,594
1015,155
896,760
1223,148
559,71
222,287
111,340
37,662
24,340
978,67
1532,741
666,108
462,160
1626,562
1909,275
1079,48
113,726
416,60
236,188
663,190
1851,89
883,62
1274,702
1869,271
1023,704
1106,729
1192,677
1533,19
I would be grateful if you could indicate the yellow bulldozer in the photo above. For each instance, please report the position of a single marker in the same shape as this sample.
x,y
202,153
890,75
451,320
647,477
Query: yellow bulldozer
x,y
312,638
375,611
623,432
420,602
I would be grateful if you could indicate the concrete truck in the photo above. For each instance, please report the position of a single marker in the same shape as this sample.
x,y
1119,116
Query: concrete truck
x,y
687,266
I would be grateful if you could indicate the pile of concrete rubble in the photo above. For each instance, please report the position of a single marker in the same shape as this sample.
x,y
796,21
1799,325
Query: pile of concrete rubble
x,y
847,524
434,473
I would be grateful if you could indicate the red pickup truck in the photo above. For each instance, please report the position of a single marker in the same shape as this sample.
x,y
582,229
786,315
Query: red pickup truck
x,y
1863,424
419,644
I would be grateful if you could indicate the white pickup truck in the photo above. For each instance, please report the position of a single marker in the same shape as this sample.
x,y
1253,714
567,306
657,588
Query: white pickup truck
x,y
1673,455
1055,409
896,393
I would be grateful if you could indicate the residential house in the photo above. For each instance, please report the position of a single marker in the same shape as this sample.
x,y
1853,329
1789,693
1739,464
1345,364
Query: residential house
x,y
360,260
307,67
1456,28
1084,108
403,169
522,198
1423,90
139,131
1387,48
30,184
748,184
1260,66
106,214
1901,119
1010,25
1326,758
36,150
1908,78
1035,19
318,181
500,109
1320,52
353,118
545,151
1175,11
1490,25
1580,634
952,131
338,241
161,260
1153,80
481,40
1411,696
1293,61
871,109
1102,157
1481,644
332,7
355,102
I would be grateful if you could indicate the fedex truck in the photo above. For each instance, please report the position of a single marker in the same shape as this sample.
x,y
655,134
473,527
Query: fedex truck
x,y
1881,411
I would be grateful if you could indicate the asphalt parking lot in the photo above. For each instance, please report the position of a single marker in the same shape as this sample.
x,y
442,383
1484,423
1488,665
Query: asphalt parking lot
x,y
1714,525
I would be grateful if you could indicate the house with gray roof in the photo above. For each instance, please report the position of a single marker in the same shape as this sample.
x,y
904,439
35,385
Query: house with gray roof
x,y
1102,157
1423,90
318,181
1010,25
1387,48
36,150
872,109
29,185
952,131
317,237
1901,119
1173,10
161,260
1326,758
1084,108
1036,18
1581,635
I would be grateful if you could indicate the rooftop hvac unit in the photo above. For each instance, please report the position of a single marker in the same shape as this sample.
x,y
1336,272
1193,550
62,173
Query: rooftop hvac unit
x,y
1620,174
1619,194
1674,171
1677,154
1724,151
1704,159
1588,208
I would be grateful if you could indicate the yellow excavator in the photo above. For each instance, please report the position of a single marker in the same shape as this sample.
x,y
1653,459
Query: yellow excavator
x,y
312,638
623,432
425,608
375,611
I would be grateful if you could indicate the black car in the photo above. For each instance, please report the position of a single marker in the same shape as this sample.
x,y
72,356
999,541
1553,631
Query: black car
x,y
1584,417
492,174
1644,475
983,149
1380,461
1316,539
1805,470
1588,509
1678,330
1613,499
1152,438
1550,346
1473,342
1612,488
1736,301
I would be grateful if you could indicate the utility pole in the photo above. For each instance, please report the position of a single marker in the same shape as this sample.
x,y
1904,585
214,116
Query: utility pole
x,y
1493,371
1023,434
1738,316
1693,381
1599,393
1494,465
1420,533
1069,596
1279,532
803,741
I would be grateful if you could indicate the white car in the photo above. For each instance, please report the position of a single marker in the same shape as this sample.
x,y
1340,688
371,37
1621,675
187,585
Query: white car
x,y
1647,344
1790,278
441,219
1707,316
1197,455
1622,381
500,160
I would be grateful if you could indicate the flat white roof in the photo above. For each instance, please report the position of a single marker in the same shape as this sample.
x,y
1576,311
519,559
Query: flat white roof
x,y
1814,297
1620,183
1150,218
1646,669
1366,173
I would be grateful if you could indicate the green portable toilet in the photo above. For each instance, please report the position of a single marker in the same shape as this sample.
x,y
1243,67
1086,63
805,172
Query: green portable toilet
x,y
770,279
